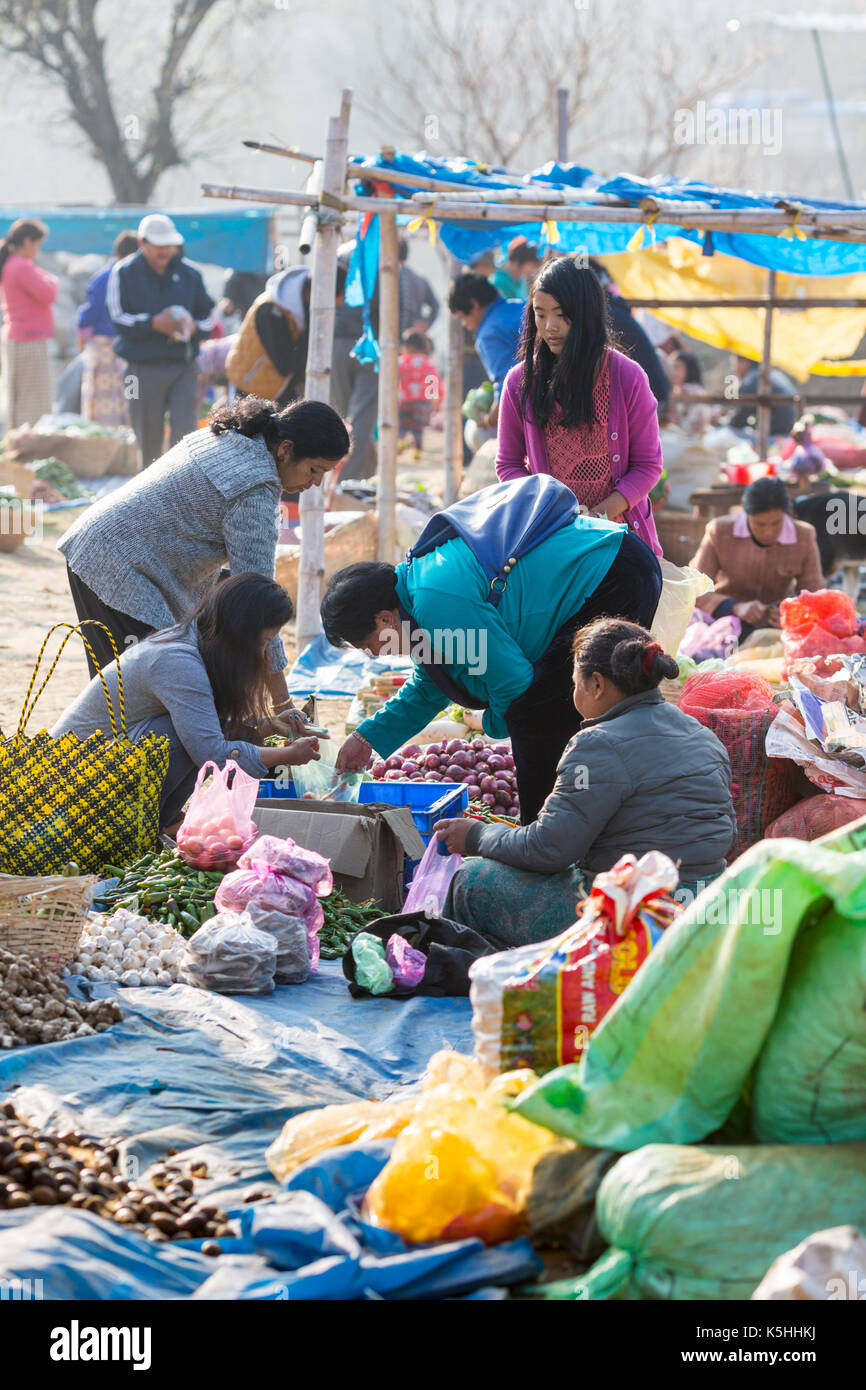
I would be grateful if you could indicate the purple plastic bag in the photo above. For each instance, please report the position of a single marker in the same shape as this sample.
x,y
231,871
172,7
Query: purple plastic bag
x,y
431,880
717,639
407,964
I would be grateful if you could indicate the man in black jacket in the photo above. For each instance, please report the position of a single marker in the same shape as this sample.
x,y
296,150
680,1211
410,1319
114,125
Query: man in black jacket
x,y
161,310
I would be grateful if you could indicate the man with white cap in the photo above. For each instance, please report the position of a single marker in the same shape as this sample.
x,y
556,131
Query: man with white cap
x,y
159,305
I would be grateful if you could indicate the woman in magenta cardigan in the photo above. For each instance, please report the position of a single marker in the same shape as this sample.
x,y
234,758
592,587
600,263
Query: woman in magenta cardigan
x,y
28,324
578,409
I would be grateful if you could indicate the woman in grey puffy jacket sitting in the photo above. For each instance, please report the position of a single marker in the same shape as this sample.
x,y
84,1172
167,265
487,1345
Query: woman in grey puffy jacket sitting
x,y
639,775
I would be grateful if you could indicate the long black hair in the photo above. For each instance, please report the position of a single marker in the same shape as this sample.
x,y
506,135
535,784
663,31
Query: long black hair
x,y
23,229
624,653
230,621
567,380
314,428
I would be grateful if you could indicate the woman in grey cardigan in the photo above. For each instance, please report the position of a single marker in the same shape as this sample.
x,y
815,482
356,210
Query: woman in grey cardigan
x,y
639,775
142,558
202,684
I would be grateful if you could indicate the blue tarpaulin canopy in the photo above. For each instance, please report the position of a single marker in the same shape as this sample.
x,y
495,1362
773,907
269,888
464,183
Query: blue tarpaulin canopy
x,y
785,251
239,238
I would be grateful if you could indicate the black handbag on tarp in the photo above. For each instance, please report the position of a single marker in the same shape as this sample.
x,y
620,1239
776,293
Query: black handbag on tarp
x,y
450,950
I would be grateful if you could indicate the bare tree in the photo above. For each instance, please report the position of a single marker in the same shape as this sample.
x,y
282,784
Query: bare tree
x,y
63,41
481,79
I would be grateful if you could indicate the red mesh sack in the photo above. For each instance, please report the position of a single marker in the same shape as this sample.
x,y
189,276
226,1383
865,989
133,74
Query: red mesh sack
x,y
739,710
814,816
819,625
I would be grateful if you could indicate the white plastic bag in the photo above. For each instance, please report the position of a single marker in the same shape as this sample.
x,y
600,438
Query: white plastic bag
x,y
293,950
230,955
681,586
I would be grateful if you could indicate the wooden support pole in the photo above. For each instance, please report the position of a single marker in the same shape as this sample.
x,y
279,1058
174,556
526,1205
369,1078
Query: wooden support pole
x,y
307,234
287,151
453,403
765,411
318,381
389,347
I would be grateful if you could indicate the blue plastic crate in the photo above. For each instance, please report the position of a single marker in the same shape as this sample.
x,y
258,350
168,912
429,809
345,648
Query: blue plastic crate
x,y
428,802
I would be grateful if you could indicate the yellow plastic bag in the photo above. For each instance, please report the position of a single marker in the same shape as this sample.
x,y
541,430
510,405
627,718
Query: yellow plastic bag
x,y
681,585
310,1133
463,1164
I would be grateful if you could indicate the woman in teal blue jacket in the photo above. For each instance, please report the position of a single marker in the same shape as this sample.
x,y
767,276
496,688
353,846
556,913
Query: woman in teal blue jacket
x,y
512,660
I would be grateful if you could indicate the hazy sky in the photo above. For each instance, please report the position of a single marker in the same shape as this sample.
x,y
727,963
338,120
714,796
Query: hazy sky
x,y
282,76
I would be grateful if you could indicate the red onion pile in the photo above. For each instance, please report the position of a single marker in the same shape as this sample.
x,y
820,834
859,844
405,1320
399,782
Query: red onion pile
x,y
486,768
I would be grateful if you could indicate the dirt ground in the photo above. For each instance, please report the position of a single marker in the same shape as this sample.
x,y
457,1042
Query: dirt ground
x,y
34,595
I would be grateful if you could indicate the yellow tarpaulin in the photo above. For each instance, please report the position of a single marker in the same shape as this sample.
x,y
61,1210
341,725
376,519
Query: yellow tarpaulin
x,y
804,340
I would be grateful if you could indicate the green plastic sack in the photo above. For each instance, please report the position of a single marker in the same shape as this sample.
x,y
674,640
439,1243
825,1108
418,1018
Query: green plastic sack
x,y
669,1062
707,1223
810,1084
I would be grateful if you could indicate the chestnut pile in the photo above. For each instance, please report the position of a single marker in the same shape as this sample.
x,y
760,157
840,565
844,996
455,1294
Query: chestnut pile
x,y
40,1167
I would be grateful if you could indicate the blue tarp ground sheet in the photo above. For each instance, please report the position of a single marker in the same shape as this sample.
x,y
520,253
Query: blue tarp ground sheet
x,y
215,1078
338,671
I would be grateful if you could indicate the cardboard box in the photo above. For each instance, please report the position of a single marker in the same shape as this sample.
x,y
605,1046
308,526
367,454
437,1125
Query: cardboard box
x,y
367,845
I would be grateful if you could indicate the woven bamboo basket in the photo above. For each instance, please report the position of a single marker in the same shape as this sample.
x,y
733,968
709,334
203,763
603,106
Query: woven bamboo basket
x,y
43,916
88,457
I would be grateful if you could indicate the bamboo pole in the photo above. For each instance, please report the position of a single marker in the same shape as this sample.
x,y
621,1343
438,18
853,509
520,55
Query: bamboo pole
x,y
764,411
307,234
389,345
534,194
318,380
453,402
760,221
287,151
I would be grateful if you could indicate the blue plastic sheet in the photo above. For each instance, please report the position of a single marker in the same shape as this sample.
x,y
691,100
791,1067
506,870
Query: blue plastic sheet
x,y
466,240
216,1077
335,671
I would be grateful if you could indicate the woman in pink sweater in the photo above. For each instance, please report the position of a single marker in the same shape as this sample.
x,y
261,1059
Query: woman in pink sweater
x,y
578,409
28,324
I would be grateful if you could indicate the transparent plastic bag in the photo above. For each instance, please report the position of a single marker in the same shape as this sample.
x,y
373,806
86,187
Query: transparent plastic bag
x,y
230,956
431,880
287,857
293,948
320,781
218,825
311,1133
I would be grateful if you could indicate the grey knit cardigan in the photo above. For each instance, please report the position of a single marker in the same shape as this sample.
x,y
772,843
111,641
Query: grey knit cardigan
x,y
153,547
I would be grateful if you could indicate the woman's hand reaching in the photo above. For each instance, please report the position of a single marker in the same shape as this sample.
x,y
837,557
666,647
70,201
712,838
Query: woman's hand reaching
x,y
289,723
453,833
301,750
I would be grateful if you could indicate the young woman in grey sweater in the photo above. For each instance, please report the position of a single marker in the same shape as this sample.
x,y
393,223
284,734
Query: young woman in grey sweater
x,y
142,558
203,685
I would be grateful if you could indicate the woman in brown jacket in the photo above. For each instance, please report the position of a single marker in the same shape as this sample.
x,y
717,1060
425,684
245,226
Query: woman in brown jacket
x,y
758,557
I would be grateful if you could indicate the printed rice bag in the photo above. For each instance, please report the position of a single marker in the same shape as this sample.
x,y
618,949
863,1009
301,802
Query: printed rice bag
x,y
538,1006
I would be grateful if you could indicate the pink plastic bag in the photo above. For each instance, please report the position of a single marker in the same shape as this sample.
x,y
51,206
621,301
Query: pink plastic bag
x,y
269,891
287,857
430,882
218,825
262,887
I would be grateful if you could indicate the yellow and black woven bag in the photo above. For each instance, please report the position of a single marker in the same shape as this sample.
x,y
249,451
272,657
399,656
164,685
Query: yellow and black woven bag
x,y
91,802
